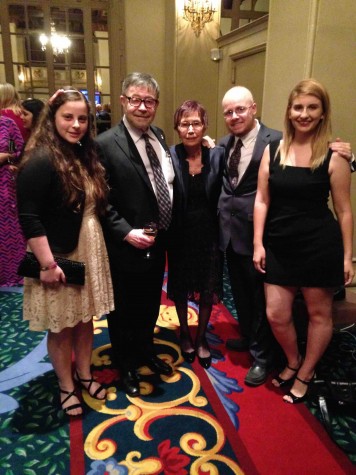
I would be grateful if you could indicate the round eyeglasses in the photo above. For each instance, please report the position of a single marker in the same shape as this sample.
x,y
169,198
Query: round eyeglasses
x,y
239,110
149,102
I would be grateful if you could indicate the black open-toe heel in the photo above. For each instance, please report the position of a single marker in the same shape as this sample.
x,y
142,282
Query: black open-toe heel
x,y
72,406
298,399
86,384
284,382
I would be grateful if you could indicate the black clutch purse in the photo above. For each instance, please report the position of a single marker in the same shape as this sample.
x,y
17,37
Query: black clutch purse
x,y
73,270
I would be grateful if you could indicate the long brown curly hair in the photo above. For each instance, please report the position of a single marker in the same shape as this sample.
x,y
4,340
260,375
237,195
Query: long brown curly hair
x,y
73,163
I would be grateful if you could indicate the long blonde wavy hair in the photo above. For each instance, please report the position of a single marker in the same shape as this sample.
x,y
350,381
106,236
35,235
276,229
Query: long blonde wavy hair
x,y
322,133
9,98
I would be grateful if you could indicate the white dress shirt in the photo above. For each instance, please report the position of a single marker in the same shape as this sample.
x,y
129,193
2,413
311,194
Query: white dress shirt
x,y
163,156
248,144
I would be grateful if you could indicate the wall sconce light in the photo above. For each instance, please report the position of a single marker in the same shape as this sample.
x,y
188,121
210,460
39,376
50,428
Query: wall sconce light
x,y
98,80
21,76
198,12
215,54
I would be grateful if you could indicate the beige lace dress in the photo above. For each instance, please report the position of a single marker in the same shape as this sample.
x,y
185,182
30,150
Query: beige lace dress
x,y
55,309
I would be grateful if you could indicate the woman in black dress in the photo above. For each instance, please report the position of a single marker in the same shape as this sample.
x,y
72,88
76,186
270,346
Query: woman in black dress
x,y
195,262
298,244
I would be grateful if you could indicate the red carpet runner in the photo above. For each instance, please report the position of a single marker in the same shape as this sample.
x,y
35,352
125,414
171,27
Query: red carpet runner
x,y
198,422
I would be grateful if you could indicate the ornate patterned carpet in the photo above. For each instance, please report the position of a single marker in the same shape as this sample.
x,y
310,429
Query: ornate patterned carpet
x,y
196,421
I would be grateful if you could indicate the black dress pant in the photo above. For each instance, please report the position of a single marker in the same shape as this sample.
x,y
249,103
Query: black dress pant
x,y
137,304
248,294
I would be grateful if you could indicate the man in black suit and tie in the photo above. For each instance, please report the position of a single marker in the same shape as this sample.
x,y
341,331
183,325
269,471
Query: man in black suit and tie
x,y
236,227
244,148
140,176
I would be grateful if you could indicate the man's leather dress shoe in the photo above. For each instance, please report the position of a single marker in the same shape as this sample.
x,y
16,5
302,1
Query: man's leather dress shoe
x,y
130,383
158,366
256,375
237,344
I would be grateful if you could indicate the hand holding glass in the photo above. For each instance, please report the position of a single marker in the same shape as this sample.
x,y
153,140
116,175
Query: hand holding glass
x,y
151,230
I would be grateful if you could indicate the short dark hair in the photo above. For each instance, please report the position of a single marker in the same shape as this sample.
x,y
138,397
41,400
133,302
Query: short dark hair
x,y
188,107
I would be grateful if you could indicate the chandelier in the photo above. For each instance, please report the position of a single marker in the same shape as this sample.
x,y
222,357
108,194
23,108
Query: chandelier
x,y
198,12
60,43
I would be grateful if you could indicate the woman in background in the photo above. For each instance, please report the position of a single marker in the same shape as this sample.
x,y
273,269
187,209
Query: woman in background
x,y
10,106
12,242
62,192
195,262
298,244
31,110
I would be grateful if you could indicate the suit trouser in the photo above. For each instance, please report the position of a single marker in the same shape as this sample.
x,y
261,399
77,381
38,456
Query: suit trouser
x,y
248,294
137,303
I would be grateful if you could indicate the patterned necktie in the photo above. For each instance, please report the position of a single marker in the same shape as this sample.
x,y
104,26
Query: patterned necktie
x,y
235,158
162,192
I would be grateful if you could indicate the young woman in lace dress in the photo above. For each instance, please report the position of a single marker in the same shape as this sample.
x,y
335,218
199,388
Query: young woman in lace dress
x,y
61,193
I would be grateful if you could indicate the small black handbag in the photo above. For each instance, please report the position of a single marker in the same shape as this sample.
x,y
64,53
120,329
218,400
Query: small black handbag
x,y
73,270
331,396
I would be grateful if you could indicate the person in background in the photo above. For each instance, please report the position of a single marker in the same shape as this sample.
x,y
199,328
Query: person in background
x,y
31,110
140,176
12,242
61,194
10,106
103,118
235,210
298,244
195,261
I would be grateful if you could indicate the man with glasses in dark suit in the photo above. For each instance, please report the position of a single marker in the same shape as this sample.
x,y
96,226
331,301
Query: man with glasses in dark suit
x,y
140,176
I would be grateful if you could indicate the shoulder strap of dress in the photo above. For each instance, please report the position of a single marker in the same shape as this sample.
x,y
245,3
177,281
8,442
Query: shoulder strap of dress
x,y
273,146
328,155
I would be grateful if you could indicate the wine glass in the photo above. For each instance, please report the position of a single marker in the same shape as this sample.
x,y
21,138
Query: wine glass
x,y
150,229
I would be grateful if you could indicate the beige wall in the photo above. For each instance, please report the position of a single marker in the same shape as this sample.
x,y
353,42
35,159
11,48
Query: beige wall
x,y
243,63
195,74
161,43
312,38
149,37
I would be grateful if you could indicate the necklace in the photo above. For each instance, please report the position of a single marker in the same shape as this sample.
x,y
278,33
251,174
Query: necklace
x,y
195,165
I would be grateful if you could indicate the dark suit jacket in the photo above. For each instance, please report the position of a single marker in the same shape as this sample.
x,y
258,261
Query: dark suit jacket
x,y
213,161
132,201
236,205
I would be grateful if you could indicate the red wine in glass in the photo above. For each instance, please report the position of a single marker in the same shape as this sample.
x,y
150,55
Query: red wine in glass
x,y
151,230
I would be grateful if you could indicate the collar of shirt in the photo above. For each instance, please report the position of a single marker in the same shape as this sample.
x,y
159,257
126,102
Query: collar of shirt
x,y
249,139
136,134
164,158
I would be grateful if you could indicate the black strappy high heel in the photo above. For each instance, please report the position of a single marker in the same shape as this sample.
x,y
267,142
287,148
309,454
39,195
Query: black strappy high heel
x,y
87,383
72,406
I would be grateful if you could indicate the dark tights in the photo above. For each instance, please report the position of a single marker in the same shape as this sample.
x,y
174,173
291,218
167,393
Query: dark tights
x,y
201,345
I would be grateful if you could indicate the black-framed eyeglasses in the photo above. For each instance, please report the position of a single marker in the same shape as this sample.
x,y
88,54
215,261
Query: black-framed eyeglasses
x,y
149,102
240,110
